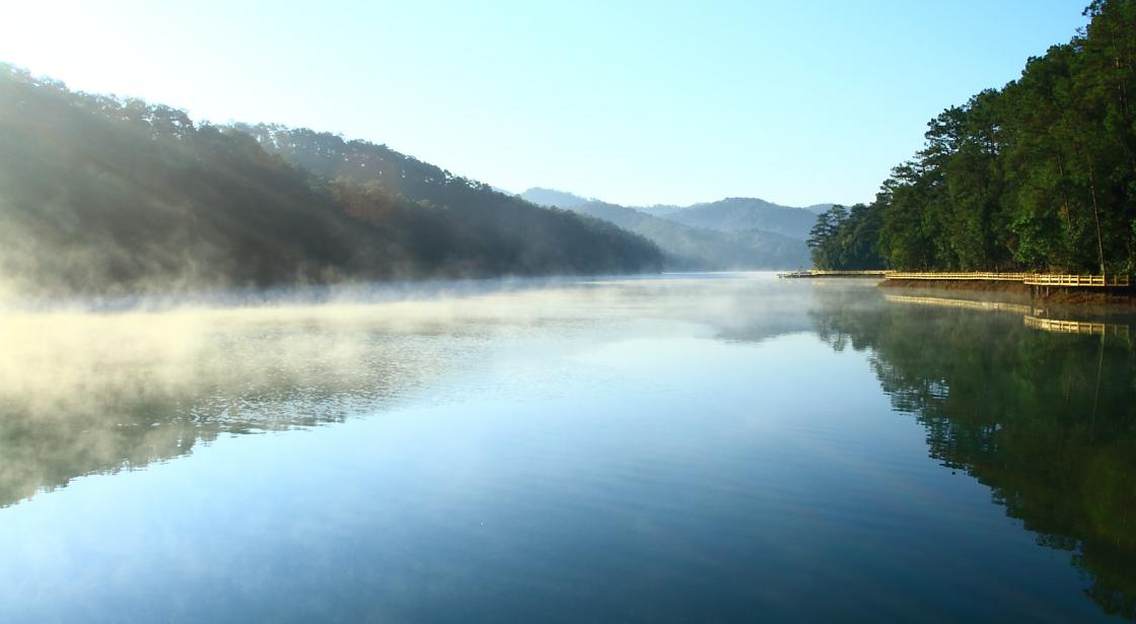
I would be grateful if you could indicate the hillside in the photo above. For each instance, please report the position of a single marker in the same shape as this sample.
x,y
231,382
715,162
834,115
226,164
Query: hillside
x,y
551,197
738,214
697,248
717,235
100,195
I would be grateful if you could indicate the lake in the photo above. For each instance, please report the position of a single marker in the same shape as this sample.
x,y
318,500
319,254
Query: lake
x,y
703,448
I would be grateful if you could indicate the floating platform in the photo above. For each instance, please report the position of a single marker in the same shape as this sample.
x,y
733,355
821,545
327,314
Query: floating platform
x,y
822,273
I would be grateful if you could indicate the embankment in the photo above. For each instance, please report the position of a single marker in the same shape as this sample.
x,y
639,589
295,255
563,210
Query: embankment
x,y
1110,298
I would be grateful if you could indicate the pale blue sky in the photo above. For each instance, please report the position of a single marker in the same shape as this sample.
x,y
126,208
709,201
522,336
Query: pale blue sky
x,y
638,103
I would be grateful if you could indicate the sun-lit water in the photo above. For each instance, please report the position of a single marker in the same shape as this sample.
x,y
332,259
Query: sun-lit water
x,y
682,448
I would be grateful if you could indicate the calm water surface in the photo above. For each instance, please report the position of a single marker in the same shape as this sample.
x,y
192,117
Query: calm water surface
x,y
683,448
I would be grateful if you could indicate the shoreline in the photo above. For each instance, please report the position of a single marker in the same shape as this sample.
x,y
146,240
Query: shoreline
x,y
1080,300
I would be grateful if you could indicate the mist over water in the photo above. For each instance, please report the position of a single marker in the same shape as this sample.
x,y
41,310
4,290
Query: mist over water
x,y
684,447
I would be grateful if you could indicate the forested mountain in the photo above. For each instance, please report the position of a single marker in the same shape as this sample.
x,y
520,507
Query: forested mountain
x,y
1037,175
738,214
102,195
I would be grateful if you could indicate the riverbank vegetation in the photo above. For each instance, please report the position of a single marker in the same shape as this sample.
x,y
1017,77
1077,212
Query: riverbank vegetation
x,y
1038,175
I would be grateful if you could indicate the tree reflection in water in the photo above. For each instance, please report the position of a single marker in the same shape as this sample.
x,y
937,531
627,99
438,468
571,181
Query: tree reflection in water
x,y
1046,420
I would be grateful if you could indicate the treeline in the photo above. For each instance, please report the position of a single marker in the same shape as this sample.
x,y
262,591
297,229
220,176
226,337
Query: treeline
x,y
1039,175
510,234
847,238
110,196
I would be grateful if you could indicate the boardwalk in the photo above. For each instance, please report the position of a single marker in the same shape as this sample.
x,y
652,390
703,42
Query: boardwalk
x,y
1029,279
1114,281
955,277
823,273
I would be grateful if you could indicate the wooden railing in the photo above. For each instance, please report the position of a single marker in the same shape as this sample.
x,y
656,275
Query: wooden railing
x,y
987,276
1031,279
1078,280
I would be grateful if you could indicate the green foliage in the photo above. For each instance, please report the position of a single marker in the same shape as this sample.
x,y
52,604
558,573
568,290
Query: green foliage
x,y
1039,175
101,195
846,239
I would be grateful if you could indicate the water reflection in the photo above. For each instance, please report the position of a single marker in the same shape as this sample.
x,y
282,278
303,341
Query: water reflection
x,y
677,441
84,393
1046,419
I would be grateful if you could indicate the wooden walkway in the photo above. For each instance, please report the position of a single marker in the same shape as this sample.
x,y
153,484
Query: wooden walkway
x,y
823,273
1100,281
1030,279
954,277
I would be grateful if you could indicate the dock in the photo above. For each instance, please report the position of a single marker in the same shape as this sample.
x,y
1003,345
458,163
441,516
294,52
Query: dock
x,y
824,273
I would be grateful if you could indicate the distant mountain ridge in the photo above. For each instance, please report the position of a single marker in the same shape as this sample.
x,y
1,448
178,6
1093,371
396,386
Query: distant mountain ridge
x,y
737,214
715,235
554,198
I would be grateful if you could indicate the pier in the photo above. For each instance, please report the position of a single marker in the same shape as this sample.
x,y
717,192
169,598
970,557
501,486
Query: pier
x,y
823,273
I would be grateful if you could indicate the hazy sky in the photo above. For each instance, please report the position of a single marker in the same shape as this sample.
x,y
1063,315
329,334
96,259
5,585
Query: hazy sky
x,y
638,103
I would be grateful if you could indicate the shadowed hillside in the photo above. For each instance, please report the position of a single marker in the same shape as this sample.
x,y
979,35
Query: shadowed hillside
x,y
109,196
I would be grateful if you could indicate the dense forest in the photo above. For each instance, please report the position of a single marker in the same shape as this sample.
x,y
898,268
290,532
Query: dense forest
x,y
1037,175
103,195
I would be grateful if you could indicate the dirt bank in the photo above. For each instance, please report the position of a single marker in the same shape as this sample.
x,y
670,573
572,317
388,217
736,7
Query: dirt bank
x,y
1112,299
